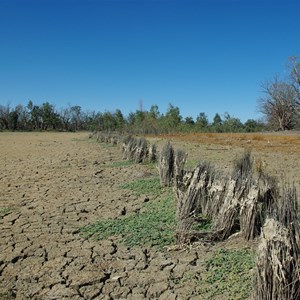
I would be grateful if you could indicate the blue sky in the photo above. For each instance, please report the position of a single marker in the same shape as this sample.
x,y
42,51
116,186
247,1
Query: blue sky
x,y
202,56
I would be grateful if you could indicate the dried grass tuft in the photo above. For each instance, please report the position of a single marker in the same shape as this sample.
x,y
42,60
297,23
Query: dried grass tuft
x,y
129,148
166,165
152,153
179,162
141,150
191,194
277,272
233,203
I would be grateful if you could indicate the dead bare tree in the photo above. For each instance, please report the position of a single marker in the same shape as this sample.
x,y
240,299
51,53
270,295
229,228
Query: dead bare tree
x,y
4,116
293,67
279,104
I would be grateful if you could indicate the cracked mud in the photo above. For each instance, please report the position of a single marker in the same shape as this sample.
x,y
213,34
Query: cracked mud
x,y
51,185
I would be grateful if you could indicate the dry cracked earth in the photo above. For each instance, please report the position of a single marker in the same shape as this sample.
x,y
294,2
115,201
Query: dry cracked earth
x,y
52,184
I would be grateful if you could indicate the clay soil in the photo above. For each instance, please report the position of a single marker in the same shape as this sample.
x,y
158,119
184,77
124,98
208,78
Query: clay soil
x,y
52,184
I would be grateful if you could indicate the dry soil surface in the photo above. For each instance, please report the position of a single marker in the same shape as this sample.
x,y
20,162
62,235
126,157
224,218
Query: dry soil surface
x,y
51,184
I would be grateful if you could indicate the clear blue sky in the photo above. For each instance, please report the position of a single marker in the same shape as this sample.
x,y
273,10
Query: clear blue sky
x,y
202,56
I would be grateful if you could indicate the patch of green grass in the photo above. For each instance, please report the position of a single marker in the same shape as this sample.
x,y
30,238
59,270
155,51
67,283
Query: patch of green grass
x,y
229,273
153,227
203,223
151,165
115,164
150,186
5,211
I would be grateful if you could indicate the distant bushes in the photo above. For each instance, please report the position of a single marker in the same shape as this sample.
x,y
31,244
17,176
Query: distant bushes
x,y
73,118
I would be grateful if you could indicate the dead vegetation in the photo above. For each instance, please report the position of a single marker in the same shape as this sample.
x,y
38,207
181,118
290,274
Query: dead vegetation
x,y
277,267
231,202
247,201
267,142
166,165
138,150
277,271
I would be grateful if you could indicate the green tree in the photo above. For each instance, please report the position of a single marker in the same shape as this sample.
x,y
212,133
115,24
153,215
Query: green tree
x,y
108,121
217,123
172,119
131,118
120,120
139,118
50,118
36,117
231,124
253,126
138,121
187,125
154,112
189,121
202,122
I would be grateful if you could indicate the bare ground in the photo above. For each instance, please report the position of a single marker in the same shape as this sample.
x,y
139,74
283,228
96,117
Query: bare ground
x,y
51,184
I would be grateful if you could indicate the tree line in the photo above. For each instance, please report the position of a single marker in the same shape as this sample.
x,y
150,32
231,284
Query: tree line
x,y
42,117
280,105
73,118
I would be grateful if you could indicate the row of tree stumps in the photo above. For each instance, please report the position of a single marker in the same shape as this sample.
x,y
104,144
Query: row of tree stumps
x,y
246,202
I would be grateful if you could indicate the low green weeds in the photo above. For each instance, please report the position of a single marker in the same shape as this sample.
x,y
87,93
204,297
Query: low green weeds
x,y
229,273
152,227
4,211
204,223
226,275
150,186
